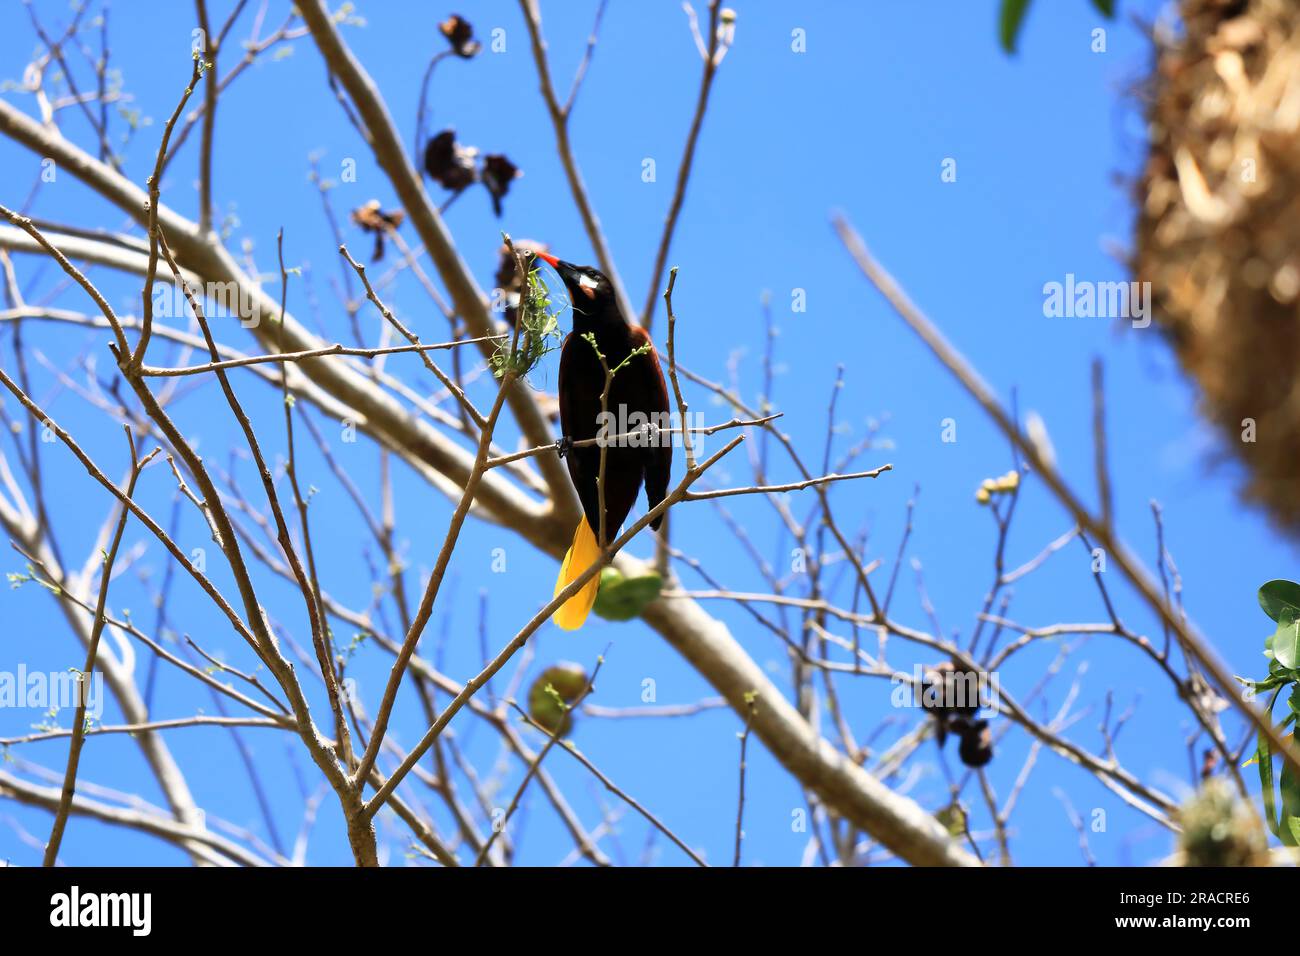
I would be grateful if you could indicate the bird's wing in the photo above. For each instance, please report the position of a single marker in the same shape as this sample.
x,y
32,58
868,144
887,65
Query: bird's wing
x,y
659,461
579,409
567,375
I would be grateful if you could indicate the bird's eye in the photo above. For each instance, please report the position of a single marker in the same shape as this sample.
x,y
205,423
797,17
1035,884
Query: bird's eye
x,y
587,282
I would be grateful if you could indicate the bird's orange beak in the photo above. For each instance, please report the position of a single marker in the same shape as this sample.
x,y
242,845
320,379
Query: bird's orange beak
x,y
545,257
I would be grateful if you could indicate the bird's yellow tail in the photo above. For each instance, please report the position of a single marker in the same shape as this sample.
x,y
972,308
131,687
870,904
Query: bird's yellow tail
x,y
582,554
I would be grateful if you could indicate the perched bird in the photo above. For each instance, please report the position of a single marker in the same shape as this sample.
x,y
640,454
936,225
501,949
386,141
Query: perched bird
x,y
638,390
952,695
976,743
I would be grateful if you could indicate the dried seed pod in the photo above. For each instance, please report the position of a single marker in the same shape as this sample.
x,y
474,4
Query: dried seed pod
x,y
372,219
448,163
460,35
497,175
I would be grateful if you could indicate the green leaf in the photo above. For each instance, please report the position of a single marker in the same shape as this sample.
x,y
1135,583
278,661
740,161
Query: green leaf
x,y
1289,827
953,819
551,695
1105,7
621,598
1011,19
1264,757
1269,683
1286,641
1279,594
538,332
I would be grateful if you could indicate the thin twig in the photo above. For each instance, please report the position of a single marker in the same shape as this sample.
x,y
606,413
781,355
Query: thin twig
x,y
335,349
621,794
711,61
740,800
92,651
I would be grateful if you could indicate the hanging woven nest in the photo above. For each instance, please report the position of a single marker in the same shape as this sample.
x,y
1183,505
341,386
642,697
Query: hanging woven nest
x,y
1218,233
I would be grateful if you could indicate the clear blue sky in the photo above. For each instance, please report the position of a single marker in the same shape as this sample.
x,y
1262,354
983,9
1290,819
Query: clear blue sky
x,y
1045,144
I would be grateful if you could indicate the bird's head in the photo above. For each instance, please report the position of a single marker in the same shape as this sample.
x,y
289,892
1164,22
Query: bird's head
x,y
590,291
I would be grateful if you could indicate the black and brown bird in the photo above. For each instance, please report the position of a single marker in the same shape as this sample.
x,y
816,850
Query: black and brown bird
x,y
952,694
637,387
